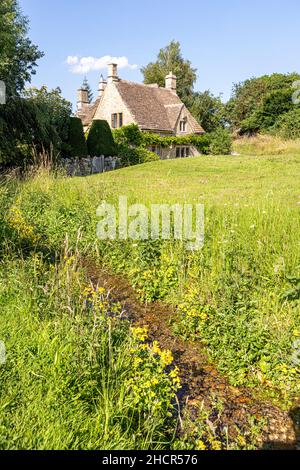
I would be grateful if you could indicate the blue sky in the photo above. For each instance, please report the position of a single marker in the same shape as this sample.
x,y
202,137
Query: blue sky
x,y
227,41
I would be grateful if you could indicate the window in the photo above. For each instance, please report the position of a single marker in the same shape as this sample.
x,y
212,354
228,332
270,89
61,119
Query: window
x,y
182,152
182,125
116,120
156,149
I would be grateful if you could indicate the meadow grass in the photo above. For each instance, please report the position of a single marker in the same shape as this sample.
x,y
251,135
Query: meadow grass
x,y
266,144
239,295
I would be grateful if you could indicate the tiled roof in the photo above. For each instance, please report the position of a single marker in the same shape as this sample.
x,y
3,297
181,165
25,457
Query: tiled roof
x,y
153,108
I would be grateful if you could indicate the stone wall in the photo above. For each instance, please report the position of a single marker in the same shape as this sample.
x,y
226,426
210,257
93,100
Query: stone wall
x,y
90,165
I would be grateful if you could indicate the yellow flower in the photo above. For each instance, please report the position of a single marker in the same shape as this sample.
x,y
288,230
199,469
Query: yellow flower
x,y
200,445
140,334
155,348
166,357
216,445
174,372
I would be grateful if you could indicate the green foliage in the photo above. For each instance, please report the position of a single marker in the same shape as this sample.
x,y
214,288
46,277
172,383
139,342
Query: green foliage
x,y
100,139
97,383
76,145
232,290
287,126
273,105
38,120
170,59
208,110
135,155
130,135
257,102
51,118
18,56
220,142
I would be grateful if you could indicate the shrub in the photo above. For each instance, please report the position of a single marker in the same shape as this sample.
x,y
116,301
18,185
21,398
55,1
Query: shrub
x,y
76,145
100,140
129,135
220,142
135,155
288,125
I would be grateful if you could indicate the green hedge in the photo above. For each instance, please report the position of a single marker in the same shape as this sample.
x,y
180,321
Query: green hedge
x,y
135,155
76,145
100,140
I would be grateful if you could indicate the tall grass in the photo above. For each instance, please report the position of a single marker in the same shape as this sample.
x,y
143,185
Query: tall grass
x,y
72,361
234,295
266,144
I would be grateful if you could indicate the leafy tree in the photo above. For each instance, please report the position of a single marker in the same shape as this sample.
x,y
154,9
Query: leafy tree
x,y
273,105
220,142
208,110
18,58
86,86
170,59
52,117
288,125
100,139
250,96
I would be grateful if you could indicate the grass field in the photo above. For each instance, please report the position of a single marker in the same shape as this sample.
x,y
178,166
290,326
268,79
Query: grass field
x,y
239,296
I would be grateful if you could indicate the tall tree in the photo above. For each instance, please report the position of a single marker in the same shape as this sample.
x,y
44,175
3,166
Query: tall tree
x,y
86,86
18,58
258,97
170,59
208,110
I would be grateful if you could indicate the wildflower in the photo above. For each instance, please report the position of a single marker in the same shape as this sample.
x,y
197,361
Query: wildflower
x,y
140,334
200,445
216,445
155,348
166,357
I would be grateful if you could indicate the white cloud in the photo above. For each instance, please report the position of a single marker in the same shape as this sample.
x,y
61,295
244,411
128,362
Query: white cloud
x,y
83,65
72,60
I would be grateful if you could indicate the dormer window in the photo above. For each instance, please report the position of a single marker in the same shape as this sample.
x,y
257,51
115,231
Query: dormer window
x,y
182,125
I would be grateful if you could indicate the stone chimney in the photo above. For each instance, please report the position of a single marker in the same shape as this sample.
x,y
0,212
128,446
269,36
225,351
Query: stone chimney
x,y
102,86
82,99
171,82
112,75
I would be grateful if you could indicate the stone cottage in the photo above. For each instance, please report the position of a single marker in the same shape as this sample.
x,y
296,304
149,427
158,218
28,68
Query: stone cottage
x,y
152,108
